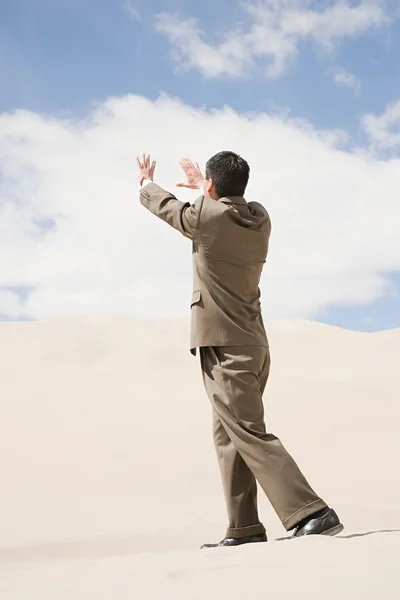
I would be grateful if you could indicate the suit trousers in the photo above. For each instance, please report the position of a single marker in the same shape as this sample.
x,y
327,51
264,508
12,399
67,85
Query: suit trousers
x,y
235,378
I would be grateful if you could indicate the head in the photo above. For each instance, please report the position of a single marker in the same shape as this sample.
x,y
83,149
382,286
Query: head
x,y
227,174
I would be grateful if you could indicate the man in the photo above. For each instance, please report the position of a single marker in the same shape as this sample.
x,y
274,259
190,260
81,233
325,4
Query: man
x,y
230,245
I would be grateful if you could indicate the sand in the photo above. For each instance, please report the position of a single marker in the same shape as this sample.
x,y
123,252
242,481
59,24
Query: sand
x,y
110,484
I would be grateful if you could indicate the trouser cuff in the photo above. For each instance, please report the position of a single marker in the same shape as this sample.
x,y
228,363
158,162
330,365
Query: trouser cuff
x,y
308,510
239,532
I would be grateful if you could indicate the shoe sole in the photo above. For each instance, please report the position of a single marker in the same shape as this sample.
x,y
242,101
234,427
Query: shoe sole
x,y
329,532
333,531
207,547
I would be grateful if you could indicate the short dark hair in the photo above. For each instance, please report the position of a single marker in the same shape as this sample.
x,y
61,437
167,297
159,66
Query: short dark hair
x,y
230,173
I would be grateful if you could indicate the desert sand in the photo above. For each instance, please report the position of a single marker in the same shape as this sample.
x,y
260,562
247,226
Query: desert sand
x,y
110,484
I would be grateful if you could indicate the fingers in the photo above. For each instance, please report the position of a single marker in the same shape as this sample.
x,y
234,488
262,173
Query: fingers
x,y
145,162
188,166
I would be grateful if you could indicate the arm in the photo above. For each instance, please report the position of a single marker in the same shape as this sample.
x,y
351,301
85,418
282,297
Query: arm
x,y
182,216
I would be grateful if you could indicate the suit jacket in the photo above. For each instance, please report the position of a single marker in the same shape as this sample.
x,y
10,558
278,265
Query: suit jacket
x,y
230,245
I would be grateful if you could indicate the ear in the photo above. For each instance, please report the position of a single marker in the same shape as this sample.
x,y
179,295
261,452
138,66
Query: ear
x,y
209,186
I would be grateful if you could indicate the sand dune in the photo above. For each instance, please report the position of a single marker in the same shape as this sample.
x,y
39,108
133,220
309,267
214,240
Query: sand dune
x,y
110,485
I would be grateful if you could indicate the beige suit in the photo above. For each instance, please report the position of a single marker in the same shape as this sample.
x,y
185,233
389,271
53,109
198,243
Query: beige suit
x,y
230,245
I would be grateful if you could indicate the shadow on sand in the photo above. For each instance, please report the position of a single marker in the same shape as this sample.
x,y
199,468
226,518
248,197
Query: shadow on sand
x,y
117,547
345,537
354,535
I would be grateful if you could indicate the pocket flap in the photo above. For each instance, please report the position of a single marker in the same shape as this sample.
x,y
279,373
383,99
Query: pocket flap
x,y
196,297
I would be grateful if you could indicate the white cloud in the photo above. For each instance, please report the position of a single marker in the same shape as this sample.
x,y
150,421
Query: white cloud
x,y
273,34
384,130
132,10
334,232
343,78
10,305
190,51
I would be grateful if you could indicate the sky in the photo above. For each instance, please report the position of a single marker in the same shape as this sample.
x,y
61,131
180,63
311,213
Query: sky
x,y
308,92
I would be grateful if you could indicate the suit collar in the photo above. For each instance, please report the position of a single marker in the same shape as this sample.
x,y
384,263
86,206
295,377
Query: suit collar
x,y
233,200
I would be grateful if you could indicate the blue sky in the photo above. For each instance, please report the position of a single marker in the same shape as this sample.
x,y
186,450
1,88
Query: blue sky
x,y
50,48
61,57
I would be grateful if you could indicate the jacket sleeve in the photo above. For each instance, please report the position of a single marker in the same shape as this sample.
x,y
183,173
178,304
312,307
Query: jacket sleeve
x,y
182,216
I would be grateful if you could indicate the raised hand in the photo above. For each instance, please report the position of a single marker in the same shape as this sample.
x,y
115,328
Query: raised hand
x,y
146,169
195,178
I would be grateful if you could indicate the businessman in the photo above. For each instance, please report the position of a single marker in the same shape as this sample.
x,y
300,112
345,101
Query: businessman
x,y
230,238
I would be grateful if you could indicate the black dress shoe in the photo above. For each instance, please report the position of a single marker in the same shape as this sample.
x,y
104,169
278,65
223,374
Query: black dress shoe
x,y
250,539
323,522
